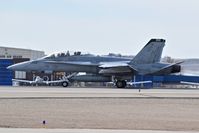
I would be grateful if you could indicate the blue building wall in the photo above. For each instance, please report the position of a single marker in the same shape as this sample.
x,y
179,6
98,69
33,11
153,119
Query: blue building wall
x,y
5,74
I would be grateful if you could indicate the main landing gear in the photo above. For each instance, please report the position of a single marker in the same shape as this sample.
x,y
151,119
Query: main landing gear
x,y
121,83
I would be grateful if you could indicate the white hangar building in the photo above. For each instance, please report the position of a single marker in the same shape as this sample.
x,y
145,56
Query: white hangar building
x,y
9,56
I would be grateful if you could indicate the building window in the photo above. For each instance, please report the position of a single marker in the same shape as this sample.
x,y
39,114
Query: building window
x,y
9,56
17,56
20,75
2,56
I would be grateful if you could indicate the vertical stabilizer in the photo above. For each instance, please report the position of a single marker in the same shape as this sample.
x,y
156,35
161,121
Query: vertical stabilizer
x,y
151,53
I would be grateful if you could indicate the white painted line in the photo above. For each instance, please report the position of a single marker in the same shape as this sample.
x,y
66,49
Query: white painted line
x,y
26,130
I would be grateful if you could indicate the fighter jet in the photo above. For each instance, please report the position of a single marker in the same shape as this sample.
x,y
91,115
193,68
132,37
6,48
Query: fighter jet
x,y
104,68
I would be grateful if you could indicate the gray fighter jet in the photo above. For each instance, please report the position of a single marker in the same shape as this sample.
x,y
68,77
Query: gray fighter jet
x,y
103,68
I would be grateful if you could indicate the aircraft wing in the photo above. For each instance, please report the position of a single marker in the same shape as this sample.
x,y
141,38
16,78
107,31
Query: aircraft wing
x,y
116,68
101,65
105,67
23,81
113,64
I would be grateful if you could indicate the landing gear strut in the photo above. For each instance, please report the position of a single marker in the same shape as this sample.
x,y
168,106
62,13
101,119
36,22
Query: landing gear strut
x,y
65,79
121,84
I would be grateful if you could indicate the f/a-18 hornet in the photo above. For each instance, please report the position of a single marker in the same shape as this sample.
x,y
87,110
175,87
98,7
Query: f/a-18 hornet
x,y
103,68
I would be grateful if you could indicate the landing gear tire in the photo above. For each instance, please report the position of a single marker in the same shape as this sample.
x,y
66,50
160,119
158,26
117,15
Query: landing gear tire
x,y
124,83
121,84
65,84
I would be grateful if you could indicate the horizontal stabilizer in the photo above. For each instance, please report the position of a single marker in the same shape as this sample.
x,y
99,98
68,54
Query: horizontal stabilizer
x,y
171,68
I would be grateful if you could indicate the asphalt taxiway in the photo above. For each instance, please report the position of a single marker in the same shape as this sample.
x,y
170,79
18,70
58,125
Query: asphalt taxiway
x,y
99,108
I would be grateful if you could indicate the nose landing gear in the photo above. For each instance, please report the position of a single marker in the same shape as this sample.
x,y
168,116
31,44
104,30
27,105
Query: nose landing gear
x,y
65,84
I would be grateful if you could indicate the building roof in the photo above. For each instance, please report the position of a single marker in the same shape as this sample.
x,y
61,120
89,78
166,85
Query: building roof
x,y
3,47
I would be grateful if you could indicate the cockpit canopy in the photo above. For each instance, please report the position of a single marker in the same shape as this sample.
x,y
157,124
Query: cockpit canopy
x,y
65,54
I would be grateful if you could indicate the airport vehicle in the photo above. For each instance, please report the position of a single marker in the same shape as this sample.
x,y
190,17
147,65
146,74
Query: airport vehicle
x,y
104,68
38,80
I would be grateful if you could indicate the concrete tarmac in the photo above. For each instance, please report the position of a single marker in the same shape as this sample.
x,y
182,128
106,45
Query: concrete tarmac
x,y
100,108
60,92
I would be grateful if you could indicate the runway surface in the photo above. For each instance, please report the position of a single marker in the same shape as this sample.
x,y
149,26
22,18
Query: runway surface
x,y
99,108
60,92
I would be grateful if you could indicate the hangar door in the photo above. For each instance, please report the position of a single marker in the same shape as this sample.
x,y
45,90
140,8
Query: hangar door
x,y
5,74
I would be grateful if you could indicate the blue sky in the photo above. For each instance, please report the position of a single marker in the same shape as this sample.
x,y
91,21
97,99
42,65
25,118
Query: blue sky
x,y
101,26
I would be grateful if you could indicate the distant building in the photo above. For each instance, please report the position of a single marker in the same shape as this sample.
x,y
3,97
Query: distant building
x,y
9,56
